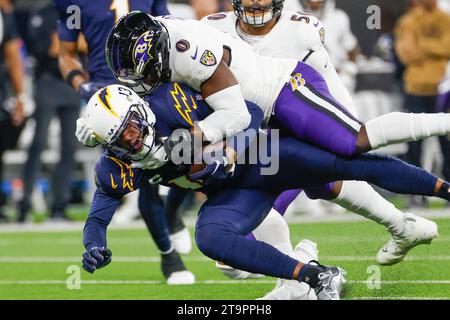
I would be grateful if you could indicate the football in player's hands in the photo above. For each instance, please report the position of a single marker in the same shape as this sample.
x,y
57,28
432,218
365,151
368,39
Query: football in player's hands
x,y
196,168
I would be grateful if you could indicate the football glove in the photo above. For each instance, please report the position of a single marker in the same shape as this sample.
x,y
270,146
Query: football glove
x,y
217,170
85,134
96,258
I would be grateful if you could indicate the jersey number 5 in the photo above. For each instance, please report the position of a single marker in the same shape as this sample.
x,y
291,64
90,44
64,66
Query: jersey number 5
x,y
120,7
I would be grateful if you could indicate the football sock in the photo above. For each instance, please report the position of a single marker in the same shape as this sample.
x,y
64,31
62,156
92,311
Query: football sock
x,y
397,127
360,198
174,200
309,274
275,231
171,263
444,190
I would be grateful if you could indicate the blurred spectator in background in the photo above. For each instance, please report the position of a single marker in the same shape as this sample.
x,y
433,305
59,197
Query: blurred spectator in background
x,y
12,120
203,8
422,39
341,44
443,105
53,97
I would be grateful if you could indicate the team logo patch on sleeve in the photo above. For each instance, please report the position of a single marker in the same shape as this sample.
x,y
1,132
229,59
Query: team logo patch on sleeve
x,y
208,58
322,35
182,46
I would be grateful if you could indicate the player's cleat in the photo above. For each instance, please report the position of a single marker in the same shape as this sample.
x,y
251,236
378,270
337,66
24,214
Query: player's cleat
x,y
236,274
182,241
174,270
331,280
417,231
181,278
290,290
306,250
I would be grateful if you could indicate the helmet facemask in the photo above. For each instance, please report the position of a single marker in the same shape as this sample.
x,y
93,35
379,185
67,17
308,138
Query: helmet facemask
x,y
138,148
258,15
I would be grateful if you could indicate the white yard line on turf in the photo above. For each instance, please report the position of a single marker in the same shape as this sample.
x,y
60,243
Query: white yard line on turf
x,y
190,221
156,259
208,282
65,241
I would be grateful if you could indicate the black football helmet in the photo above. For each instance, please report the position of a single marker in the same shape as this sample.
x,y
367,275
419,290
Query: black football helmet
x,y
137,52
257,15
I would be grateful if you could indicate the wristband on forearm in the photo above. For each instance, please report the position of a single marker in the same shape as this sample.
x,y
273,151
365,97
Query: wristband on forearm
x,y
72,74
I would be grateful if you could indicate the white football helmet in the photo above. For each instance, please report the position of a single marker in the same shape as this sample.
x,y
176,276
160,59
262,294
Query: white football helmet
x,y
114,108
318,8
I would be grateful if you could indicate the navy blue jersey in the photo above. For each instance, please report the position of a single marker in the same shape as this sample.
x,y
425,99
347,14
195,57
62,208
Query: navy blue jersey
x,y
97,18
175,106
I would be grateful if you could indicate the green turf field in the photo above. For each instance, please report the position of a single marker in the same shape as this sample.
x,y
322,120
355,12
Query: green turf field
x,y
34,266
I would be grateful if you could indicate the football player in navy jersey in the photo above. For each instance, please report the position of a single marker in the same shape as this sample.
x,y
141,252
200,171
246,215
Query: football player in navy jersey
x,y
239,196
94,19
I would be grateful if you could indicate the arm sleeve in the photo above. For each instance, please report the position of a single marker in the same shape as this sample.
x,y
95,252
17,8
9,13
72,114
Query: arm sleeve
x,y
9,27
102,209
159,8
65,32
230,115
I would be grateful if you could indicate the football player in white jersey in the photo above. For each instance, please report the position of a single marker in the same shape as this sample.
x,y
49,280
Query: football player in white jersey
x,y
142,51
341,44
287,34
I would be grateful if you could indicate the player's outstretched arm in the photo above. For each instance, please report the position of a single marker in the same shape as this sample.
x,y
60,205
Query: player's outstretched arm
x,y
97,255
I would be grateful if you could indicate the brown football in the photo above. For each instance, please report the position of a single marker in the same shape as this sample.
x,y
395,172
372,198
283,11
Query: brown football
x,y
194,168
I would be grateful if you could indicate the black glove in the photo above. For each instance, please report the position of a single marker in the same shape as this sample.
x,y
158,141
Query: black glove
x,y
96,258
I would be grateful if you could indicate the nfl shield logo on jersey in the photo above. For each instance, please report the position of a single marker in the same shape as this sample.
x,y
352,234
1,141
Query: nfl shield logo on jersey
x,y
208,58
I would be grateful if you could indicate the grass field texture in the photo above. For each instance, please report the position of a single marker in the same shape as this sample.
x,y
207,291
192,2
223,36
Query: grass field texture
x,y
35,265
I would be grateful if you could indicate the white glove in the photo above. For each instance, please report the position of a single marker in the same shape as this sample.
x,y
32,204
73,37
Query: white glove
x,y
85,134
153,161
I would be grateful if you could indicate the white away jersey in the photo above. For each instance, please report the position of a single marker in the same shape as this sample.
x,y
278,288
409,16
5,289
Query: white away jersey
x,y
292,37
196,50
295,36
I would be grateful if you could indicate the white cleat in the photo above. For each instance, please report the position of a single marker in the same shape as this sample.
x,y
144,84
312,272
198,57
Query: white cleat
x,y
290,290
181,241
236,274
306,251
181,278
417,231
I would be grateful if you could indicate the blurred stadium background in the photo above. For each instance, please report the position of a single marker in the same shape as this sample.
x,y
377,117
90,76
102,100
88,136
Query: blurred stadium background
x,y
375,79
